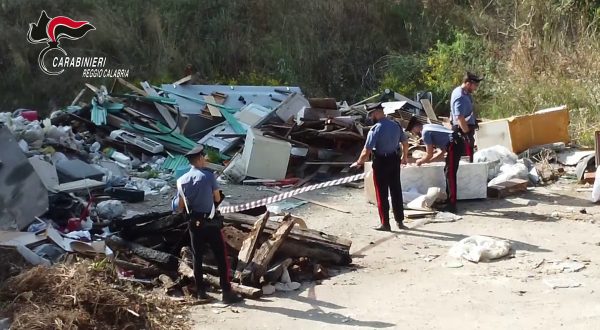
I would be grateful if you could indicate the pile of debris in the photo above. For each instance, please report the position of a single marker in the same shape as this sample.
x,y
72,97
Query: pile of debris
x,y
84,295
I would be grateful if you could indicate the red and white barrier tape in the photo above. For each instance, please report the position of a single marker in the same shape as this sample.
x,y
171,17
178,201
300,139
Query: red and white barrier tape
x,y
288,194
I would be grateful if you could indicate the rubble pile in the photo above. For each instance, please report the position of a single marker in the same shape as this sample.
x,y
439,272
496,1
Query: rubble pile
x,y
84,295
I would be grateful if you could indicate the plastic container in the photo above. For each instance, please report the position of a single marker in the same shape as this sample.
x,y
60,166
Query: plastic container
x,y
117,156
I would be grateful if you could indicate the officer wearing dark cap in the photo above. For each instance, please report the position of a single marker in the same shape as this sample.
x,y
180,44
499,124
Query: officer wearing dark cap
x,y
383,142
199,196
438,136
461,110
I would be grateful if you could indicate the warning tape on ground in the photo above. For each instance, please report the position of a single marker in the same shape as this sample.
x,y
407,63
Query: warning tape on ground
x,y
289,194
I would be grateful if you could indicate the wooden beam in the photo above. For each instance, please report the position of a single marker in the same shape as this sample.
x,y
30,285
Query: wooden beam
x,y
183,80
264,255
250,245
214,111
78,97
309,243
131,86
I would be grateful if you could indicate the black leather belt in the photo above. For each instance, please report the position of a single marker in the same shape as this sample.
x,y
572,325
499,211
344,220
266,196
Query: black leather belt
x,y
389,154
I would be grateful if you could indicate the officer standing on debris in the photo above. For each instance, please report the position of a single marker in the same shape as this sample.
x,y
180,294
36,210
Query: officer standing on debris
x,y
438,136
462,117
383,142
198,197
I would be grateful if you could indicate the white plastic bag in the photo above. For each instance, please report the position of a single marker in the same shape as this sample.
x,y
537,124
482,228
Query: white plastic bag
x,y
511,171
495,156
596,190
480,248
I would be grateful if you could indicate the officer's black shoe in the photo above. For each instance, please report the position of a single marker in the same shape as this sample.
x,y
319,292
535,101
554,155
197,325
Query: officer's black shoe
x,y
450,208
201,295
230,297
383,228
402,226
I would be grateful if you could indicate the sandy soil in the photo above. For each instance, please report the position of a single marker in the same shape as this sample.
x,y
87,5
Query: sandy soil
x,y
406,280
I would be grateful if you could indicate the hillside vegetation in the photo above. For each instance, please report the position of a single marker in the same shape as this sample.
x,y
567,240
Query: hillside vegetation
x,y
533,53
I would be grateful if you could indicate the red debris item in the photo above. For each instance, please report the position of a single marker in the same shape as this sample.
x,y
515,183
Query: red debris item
x,y
73,224
30,115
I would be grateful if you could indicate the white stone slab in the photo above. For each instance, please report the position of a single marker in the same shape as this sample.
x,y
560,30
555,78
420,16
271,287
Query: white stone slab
x,y
471,180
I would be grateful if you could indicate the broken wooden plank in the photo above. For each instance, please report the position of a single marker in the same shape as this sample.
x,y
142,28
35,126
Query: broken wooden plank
x,y
301,242
260,263
507,188
429,110
164,112
243,290
161,259
187,272
183,80
214,111
234,237
76,99
416,214
131,86
250,244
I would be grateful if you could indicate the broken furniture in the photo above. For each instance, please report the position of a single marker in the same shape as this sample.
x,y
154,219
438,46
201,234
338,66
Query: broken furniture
x,y
520,133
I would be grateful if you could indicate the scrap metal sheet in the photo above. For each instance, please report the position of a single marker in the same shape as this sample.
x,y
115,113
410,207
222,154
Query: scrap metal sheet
x,y
23,196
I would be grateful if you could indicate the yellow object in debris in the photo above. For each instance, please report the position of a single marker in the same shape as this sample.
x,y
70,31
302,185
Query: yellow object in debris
x,y
523,132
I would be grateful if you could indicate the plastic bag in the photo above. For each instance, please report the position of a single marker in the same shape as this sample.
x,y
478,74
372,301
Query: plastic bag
x,y
110,209
596,190
511,171
496,156
480,248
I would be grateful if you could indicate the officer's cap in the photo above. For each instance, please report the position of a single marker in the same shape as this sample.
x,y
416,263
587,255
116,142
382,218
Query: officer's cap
x,y
198,150
414,121
471,77
372,107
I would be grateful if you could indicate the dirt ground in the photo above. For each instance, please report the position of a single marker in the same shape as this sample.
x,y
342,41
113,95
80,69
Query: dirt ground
x,y
406,280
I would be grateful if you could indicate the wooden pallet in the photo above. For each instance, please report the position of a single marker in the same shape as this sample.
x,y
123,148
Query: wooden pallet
x,y
507,188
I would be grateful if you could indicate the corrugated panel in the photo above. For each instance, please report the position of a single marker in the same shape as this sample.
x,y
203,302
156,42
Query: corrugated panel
x,y
173,163
237,96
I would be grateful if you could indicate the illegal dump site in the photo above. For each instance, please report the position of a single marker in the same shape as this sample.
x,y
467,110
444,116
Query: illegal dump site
x,y
89,238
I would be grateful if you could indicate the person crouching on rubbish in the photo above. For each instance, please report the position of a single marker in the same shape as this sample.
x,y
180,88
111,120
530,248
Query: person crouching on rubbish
x,y
198,197
438,136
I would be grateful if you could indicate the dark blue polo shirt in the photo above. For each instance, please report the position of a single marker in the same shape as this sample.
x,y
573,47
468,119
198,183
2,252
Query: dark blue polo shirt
x,y
198,186
436,135
461,104
385,137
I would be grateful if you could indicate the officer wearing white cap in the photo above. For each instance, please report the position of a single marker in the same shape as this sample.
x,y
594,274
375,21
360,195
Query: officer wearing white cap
x,y
383,142
462,117
199,196
438,136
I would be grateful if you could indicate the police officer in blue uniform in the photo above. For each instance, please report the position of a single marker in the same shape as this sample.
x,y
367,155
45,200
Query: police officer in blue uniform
x,y
445,140
462,117
199,196
383,142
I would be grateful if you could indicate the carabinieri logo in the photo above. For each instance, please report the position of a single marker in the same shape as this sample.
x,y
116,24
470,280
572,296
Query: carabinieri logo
x,y
51,30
